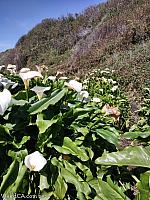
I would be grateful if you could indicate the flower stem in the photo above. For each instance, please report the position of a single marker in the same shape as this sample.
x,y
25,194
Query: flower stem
x,y
27,95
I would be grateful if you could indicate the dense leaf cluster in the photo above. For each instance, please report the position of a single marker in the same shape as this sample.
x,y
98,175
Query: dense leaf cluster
x,y
89,155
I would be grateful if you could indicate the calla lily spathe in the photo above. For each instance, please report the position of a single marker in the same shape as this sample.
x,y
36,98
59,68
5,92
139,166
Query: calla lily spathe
x,y
11,68
6,82
104,80
96,99
28,75
63,78
83,96
114,88
39,90
112,81
52,78
25,69
2,67
5,99
75,85
35,161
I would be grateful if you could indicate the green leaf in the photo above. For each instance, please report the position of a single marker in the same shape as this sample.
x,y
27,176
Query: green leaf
x,y
44,124
18,102
134,156
4,134
83,130
71,176
69,147
81,111
22,171
10,176
46,195
68,172
44,103
18,155
110,136
76,127
60,187
90,152
107,190
136,134
23,141
21,95
43,182
144,186
85,170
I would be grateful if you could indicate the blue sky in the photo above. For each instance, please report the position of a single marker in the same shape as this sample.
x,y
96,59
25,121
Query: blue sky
x,y
17,17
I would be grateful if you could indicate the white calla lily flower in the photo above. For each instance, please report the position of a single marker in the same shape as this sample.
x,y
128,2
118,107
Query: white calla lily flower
x,y
105,71
6,82
96,100
5,99
104,79
10,66
101,90
35,161
83,96
71,105
75,85
2,67
112,81
63,78
28,75
114,88
39,90
52,78
25,69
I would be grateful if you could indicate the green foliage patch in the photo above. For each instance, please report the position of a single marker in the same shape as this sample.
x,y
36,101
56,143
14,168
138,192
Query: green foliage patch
x,y
90,154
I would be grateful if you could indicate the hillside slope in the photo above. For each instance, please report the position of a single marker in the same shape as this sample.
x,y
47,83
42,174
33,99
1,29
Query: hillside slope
x,y
115,34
